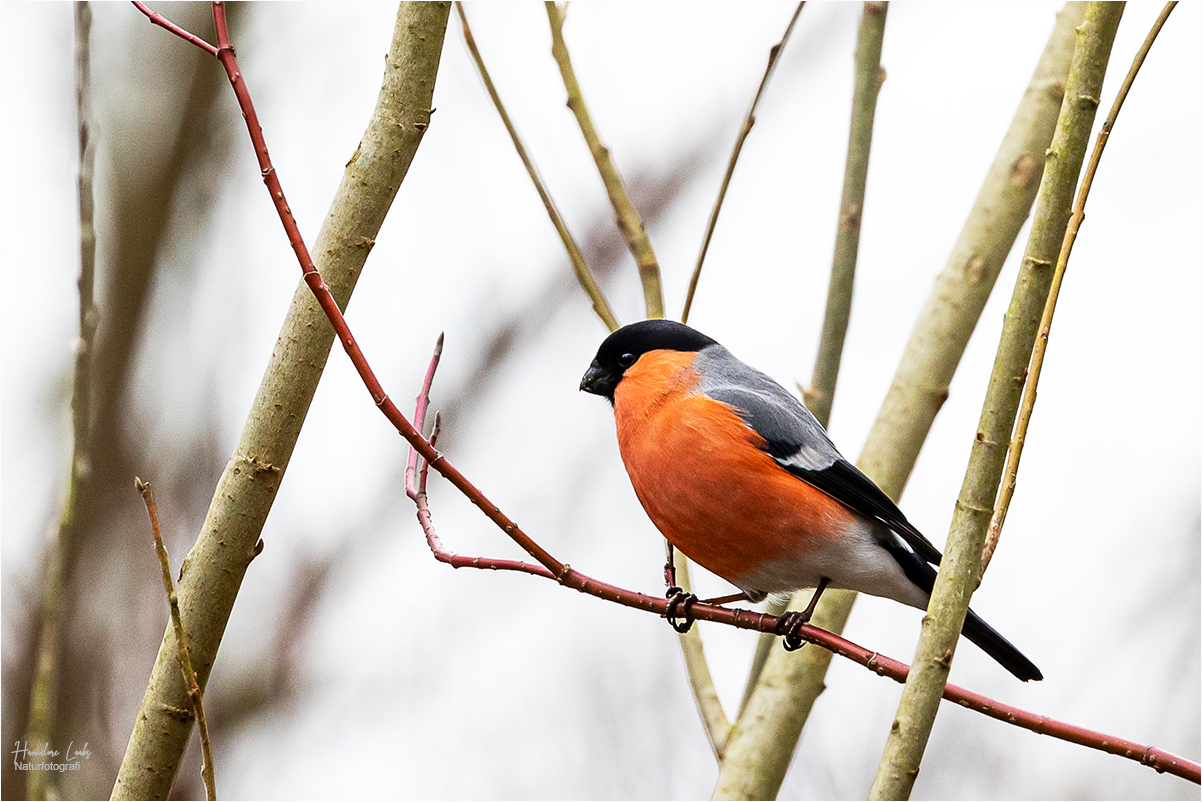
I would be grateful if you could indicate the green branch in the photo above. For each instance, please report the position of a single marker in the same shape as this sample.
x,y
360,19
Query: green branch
x,y
821,393
766,733
1028,404
869,77
961,565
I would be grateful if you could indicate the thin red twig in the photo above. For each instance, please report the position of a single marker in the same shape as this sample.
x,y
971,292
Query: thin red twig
x,y
225,54
562,572
415,488
442,554
163,22
419,416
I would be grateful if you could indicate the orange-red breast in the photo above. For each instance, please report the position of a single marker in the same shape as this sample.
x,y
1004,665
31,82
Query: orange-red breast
x,y
738,475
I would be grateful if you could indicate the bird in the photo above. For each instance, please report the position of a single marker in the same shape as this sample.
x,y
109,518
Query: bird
x,y
740,476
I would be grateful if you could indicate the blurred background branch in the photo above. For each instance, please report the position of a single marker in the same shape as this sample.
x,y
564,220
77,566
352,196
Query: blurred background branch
x,y
151,180
43,705
627,216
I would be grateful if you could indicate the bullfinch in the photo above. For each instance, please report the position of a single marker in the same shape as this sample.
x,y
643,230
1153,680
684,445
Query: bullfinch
x,y
740,476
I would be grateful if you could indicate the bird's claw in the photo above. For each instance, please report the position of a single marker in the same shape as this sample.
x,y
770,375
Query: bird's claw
x,y
682,622
789,626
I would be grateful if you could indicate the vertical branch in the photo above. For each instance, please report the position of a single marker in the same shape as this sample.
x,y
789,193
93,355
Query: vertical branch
x,y
43,707
82,397
1078,216
758,756
181,640
744,130
421,404
869,77
583,274
821,393
629,222
961,564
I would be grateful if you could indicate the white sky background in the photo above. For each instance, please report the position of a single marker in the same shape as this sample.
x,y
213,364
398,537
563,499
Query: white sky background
x,y
421,681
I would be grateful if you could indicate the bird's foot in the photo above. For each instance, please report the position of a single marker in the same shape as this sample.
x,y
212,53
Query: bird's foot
x,y
678,600
789,626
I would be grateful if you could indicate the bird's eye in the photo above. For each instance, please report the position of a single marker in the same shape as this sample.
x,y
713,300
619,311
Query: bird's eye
x,y
626,360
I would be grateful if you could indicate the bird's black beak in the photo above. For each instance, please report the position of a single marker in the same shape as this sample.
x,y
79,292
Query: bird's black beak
x,y
597,381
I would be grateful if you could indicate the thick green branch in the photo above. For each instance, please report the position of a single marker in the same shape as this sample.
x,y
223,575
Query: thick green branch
x,y
961,565
1078,216
629,222
213,570
763,739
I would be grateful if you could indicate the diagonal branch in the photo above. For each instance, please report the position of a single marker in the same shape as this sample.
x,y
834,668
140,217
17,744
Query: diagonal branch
x,y
1041,345
170,26
961,566
631,226
629,222
181,640
758,757
744,130
583,274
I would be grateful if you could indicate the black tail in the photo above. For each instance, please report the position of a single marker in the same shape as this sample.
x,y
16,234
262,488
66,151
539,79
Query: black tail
x,y
1000,649
922,574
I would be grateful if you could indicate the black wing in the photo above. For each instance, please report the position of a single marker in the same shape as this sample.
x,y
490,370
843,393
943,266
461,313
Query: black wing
x,y
797,441
846,483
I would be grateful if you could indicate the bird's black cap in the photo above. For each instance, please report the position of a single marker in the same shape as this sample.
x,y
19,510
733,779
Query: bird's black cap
x,y
622,349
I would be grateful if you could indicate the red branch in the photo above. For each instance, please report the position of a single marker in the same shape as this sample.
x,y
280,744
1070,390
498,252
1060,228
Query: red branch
x,y
419,416
415,488
163,22
552,568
